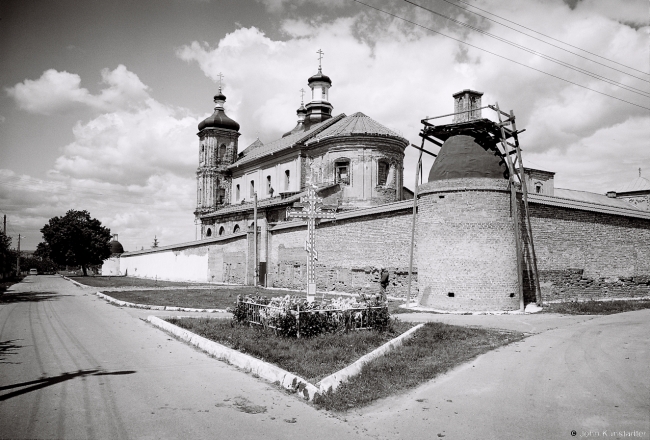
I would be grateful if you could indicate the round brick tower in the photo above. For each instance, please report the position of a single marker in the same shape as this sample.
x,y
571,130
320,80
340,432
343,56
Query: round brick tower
x,y
466,250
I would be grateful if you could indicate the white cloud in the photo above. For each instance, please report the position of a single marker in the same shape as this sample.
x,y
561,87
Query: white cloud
x,y
58,91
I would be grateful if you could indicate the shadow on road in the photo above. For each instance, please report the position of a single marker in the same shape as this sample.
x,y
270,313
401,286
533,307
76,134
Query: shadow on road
x,y
49,381
14,297
8,348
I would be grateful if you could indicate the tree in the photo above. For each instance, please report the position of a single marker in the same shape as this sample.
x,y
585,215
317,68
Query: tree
x,y
7,257
76,239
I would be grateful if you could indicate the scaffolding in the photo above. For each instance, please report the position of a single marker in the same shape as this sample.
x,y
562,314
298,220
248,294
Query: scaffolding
x,y
504,137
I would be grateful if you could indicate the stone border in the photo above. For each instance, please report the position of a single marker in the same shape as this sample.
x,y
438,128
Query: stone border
x,y
334,380
76,283
121,303
247,363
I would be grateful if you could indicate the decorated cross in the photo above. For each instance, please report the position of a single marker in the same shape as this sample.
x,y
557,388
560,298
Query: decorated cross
x,y
320,57
312,209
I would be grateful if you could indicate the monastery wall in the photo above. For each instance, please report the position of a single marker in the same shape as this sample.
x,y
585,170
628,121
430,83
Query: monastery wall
x,y
585,254
350,252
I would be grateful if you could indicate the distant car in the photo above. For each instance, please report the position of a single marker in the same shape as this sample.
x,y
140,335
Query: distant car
x,y
33,271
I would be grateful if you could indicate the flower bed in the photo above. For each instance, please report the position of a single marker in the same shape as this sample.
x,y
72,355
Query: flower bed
x,y
296,317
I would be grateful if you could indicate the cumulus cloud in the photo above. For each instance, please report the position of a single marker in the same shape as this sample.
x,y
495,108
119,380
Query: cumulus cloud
x,y
58,91
398,73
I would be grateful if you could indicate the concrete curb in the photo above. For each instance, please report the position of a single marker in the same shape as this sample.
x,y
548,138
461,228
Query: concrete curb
x,y
245,362
76,283
334,380
118,302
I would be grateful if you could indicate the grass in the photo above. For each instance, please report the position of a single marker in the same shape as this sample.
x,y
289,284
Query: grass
x,y
596,307
129,282
310,358
433,350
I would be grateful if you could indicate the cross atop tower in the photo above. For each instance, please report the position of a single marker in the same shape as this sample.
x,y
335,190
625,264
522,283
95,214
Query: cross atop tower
x,y
320,58
220,81
302,96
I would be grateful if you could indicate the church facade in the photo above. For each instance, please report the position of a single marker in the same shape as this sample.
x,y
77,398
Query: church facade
x,y
354,161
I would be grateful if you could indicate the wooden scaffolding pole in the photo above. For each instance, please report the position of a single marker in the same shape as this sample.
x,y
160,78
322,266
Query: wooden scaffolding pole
x,y
418,170
514,209
538,290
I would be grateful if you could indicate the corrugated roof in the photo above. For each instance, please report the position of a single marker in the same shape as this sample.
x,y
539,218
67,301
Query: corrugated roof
x,y
585,201
584,196
356,124
285,142
638,184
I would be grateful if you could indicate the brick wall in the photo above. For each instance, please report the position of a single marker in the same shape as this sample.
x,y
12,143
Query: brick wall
x,y
350,253
583,254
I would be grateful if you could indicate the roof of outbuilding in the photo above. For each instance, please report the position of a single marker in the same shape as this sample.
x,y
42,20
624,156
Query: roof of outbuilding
x,y
638,184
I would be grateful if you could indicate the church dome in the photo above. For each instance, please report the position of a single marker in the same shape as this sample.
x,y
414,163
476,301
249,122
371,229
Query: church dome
x,y
320,77
219,119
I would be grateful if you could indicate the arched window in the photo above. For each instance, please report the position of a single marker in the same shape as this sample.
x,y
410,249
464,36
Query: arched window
x,y
269,189
237,193
252,189
382,172
342,171
287,181
538,187
222,230
222,152
208,232
235,229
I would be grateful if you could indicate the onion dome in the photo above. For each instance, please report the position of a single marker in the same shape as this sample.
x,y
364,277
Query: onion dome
x,y
461,157
218,119
116,246
302,112
320,77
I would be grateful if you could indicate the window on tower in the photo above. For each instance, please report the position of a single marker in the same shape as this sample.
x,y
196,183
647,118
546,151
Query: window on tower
x,y
222,152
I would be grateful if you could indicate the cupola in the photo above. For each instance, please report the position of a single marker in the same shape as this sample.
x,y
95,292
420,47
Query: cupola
x,y
319,108
219,119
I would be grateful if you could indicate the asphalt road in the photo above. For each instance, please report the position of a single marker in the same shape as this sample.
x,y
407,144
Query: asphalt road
x,y
74,367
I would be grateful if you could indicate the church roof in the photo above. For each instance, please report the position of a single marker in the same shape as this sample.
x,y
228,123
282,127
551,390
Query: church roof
x,y
638,184
589,197
285,142
258,143
356,124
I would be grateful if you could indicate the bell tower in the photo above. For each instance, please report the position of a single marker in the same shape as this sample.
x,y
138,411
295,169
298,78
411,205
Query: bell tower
x,y
319,108
218,136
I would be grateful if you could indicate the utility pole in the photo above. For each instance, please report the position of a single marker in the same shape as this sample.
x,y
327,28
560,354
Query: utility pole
x,y
18,258
4,230
256,265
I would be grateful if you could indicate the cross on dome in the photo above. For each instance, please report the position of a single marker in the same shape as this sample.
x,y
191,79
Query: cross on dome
x,y
220,75
320,58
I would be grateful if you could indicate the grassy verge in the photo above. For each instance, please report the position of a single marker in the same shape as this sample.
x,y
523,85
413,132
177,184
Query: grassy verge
x,y
309,358
597,307
216,297
435,349
129,282
8,282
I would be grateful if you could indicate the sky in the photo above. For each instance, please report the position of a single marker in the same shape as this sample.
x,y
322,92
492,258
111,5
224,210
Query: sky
x,y
100,101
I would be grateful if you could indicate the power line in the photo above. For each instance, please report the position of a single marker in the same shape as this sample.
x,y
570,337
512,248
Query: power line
x,y
501,56
540,33
546,57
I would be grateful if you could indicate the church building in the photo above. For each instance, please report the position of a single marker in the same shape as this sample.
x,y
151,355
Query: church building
x,y
354,161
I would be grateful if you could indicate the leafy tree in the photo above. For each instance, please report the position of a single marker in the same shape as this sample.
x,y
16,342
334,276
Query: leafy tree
x,y
7,256
76,239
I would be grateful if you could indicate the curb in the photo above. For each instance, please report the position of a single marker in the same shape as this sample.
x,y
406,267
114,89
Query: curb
x,y
76,283
332,381
121,303
245,362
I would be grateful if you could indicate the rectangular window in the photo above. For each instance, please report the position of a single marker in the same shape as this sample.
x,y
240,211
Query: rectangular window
x,y
342,172
269,189
287,182
252,189
237,194
382,173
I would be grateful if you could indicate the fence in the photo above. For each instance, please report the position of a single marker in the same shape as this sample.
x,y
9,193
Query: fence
x,y
361,318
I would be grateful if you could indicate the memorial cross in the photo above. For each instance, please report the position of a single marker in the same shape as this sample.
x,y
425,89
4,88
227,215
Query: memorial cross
x,y
312,210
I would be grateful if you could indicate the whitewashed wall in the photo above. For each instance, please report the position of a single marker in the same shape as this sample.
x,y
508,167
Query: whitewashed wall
x,y
172,265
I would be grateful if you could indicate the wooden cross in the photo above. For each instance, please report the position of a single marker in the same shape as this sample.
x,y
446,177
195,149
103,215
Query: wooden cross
x,y
312,209
320,57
